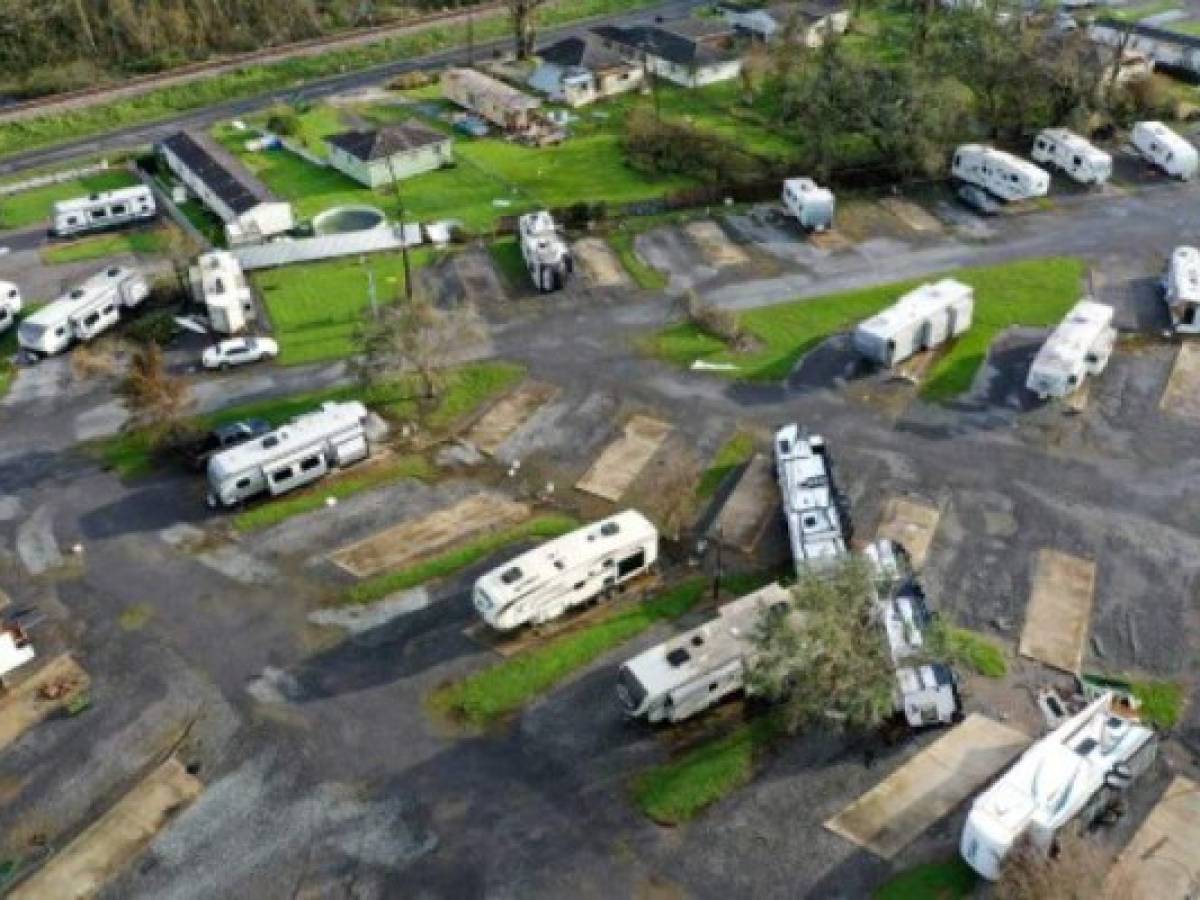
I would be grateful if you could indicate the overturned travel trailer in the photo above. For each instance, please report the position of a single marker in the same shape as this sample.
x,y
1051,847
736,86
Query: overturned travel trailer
x,y
920,320
218,283
1181,289
818,525
1002,174
810,204
1080,346
1171,152
296,454
1069,776
97,212
10,305
546,254
590,563
1076,157
926,692
83,313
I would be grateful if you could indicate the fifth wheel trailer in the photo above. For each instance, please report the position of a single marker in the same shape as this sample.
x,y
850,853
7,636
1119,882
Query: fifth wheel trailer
x,y
818,526
10,304
1181,289
920,320
546,254
98,212
587,564
1074,155
1080,346
1069,776
83,313
1161,146
296,454
1008,177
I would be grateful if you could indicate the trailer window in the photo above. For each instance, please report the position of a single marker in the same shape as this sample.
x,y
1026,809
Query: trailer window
x,y
99,213
631,564
92,319
119,209
281,475
242,484
313,462
509,576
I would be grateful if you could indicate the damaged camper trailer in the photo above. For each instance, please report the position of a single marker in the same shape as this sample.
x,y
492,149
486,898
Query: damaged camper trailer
x,y
1181,289
83,313
920,320
546,254
818,526
1006,176
1080,346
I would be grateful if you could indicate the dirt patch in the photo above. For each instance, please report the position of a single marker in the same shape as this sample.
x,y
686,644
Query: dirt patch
x,y
915,217
477,277
910,524
1181,397
600,265
623,460
509,414
900,808
1060,610
112,841
1161,860
406,542
830,241
45,692
745,514
718,250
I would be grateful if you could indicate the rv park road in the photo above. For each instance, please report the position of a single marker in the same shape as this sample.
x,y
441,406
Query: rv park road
x,y
326,777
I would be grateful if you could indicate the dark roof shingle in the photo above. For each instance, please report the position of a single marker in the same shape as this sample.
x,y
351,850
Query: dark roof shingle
x,y
386,142
662,43
216,167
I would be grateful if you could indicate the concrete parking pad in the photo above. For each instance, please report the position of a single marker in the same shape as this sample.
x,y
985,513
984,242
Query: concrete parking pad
x,y
915,217
509,414
745,514
477,277
599,264
111,842
408,541
719,251
1059,611
911,524
23,706
1161,861
891,815
623,460
1181,397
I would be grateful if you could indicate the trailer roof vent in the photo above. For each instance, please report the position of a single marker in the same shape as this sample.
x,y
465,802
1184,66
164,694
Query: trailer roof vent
x,y
678,657
698,640
608,529
508,576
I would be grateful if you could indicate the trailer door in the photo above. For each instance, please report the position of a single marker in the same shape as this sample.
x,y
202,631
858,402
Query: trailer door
x,y
350,450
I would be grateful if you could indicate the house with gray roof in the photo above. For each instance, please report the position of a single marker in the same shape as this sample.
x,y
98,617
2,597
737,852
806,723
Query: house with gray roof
x,y
810,21
1165,44
690,53
580,70
380,156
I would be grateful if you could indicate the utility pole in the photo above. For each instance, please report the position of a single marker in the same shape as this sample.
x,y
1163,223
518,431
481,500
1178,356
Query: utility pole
x,y
408,285
470,36
371,290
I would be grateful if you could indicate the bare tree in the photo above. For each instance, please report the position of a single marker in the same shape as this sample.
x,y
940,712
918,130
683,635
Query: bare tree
x,y
524,21
157,401
1074,870
671,503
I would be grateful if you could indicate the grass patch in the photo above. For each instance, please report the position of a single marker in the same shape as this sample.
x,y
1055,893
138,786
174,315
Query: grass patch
x,y
506,256
1162,702
949,880
35,207
146,241
734,453
1036,292
646,276
1143,11
453,561
273,512
677,791
976,652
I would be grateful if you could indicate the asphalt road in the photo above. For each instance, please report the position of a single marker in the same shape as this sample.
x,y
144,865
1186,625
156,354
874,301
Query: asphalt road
x,y
143,135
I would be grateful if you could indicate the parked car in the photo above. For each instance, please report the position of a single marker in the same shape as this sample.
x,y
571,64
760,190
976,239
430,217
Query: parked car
x,y
197,453
978,199
239,352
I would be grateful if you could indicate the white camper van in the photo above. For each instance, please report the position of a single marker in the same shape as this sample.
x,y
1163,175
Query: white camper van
x,y
93,307
1070,775
1077,157
1080,346
97,212
589,563
1008,177
546,254
10,305
920,320
1181,289
817,526
809,203
1161,146
298,453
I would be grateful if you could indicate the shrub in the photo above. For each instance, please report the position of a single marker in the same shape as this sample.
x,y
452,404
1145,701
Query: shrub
x,y
284,122
659,147
156,327
722,324
408,81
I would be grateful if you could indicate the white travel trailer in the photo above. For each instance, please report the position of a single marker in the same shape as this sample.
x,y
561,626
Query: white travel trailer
x,y
1070,775
1008,177
1077,157
926,692
298,453
217,282
546,254
589,563
10,305
809,203
1080,346
16,650
1181,289
110,209
84,312
920,320
811,504
1171,152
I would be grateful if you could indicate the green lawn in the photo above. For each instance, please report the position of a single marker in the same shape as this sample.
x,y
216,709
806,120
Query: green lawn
x,y
734,453
646,276
506,254
1162,702
317,308
356,481
1035,292
452,561
949,880
676,791
148,241
34,207
976,652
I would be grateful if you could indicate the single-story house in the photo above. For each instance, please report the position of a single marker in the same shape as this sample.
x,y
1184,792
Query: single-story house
x,y
1158,43
687,59
500,104
580,70
813,20
394,152
251,213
